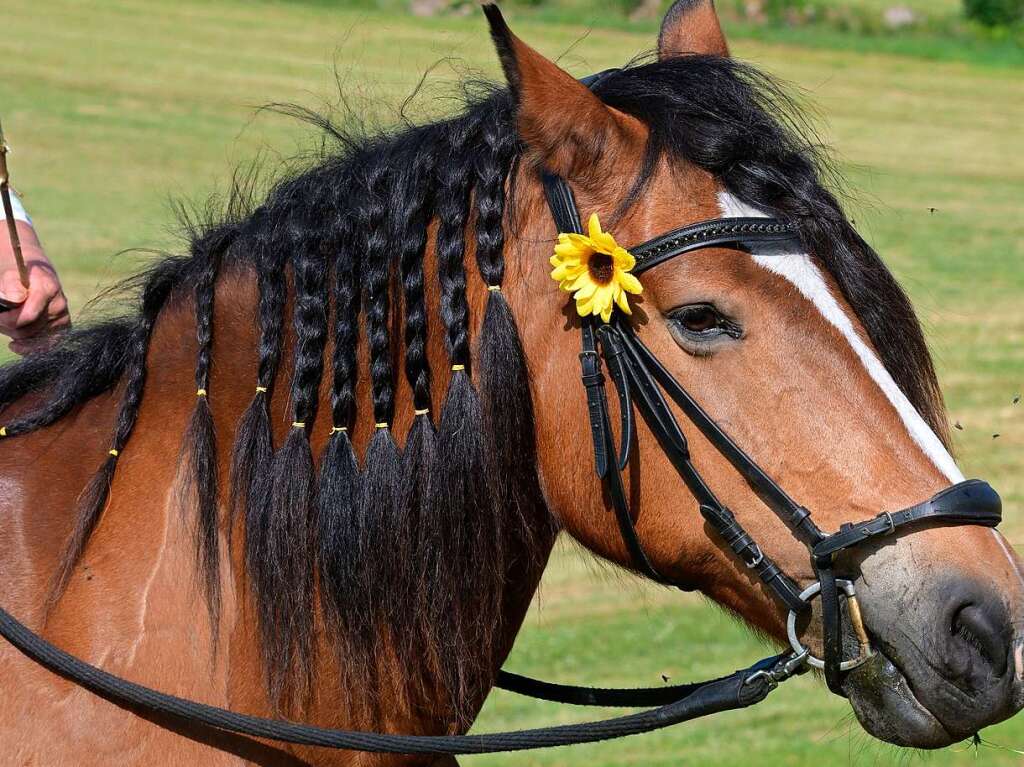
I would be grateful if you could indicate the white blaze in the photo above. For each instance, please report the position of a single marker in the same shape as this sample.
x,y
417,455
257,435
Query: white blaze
x,y
800,270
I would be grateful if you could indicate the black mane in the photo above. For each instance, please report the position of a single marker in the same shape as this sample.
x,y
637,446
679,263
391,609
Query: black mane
x,y
350,233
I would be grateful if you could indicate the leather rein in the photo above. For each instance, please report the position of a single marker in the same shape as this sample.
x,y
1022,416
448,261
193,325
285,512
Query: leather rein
x,y
641,382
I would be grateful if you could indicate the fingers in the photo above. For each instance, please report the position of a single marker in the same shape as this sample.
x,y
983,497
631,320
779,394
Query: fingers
x,y
39,336
41,309
44,322
43,289
43,299
11,289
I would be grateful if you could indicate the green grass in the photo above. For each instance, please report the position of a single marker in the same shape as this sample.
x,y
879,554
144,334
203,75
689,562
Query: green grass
x,y
113,107
941,32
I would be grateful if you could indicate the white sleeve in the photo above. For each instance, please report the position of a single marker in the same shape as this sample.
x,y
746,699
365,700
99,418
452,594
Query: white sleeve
x,y
19,210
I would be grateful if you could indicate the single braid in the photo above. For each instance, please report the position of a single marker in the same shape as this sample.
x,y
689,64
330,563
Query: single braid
x,y
310,327
380,485
93,500
409,234
341,524
455,181
503,373
285,590
253,448
347,291
491,166
377,258
199,441
273,290
411,239
458,488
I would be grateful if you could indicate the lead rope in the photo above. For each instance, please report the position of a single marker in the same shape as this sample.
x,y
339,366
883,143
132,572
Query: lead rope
x,y
738,690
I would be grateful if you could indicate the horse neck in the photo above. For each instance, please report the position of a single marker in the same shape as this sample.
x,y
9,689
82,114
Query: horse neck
x,y
133,602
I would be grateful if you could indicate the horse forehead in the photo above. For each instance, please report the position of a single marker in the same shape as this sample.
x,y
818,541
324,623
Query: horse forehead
x,y
807,278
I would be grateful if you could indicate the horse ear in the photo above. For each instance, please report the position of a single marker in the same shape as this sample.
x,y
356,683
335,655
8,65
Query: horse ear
x,y
691,26
567,129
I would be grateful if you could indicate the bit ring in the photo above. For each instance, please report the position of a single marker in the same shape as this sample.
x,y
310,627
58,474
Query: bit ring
x,y
851,596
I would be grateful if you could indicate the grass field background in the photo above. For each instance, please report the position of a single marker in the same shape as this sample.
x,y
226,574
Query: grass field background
x,y
115,107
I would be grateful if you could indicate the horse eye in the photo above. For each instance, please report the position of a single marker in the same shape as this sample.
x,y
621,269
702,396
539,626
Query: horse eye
x,y
699,319
698,327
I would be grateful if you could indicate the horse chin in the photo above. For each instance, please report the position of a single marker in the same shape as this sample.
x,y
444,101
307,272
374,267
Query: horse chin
x,y
887,708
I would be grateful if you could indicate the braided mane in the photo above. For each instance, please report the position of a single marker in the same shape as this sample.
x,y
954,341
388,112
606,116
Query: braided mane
x,y
343,243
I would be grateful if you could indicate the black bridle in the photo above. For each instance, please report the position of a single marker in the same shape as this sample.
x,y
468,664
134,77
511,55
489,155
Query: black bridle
x,y
641,382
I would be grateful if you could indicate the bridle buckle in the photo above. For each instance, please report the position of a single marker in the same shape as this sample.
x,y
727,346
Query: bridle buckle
x,y
892,524
756,559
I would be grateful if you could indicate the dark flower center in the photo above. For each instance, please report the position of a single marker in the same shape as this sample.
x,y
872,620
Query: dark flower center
x,y
601,268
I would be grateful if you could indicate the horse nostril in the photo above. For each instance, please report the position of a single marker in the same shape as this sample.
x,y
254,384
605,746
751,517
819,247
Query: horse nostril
x,y
986,631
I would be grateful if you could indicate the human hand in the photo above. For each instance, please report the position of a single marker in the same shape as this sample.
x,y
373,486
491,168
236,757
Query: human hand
x,y
41,310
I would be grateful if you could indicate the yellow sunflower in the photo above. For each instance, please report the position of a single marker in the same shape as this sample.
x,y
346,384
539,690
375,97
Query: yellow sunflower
x,y
595,269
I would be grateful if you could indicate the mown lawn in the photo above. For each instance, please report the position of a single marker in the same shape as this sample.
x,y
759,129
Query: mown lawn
x,y
115,107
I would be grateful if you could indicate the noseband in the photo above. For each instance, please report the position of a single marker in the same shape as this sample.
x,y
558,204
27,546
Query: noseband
x,y
641,381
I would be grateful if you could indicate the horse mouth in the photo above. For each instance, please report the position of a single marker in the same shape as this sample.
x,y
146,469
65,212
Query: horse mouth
x,y
885,704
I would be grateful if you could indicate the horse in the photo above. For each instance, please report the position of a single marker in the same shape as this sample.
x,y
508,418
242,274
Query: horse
x,y
337,440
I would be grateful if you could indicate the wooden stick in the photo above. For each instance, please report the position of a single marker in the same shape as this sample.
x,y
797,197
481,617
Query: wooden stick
x,y
5,196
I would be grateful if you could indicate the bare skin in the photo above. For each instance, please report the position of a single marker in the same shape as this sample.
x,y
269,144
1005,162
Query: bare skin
x,y
830,436
42,307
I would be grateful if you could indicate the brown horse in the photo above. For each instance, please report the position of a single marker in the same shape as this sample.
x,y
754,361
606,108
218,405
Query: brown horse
x,y
382,588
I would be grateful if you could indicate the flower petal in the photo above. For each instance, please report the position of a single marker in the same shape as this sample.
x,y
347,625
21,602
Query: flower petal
x,y
572,250
602,242
623,259
623,302
603,298
629,283
566,272
583,278
580,241
586,291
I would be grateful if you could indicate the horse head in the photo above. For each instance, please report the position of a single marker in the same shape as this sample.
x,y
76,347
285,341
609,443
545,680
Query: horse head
x,y
809,356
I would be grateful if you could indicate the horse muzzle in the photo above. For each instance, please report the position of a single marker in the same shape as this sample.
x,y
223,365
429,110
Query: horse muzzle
x,y
947,658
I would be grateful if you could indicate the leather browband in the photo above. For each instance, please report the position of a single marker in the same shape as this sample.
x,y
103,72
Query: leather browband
x,y
741,233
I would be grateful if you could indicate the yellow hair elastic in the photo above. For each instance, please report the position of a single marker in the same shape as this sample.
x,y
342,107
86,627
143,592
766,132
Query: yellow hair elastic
x,y
424,411
201,393
298,424
3,431
114,452
494,288
457,368
338,429
261,389
383,425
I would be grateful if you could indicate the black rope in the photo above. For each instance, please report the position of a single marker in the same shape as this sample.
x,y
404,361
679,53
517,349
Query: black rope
x,y
737,690
633,697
